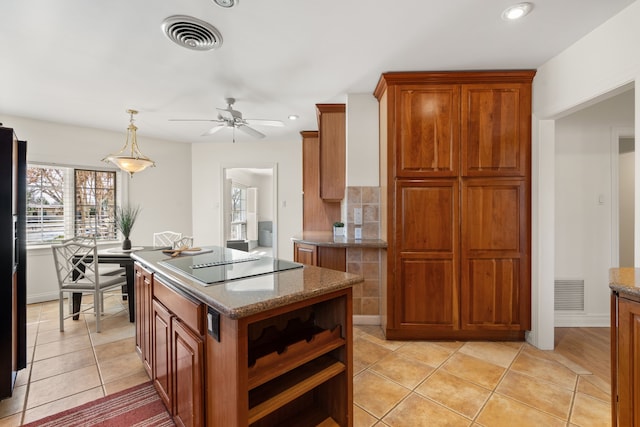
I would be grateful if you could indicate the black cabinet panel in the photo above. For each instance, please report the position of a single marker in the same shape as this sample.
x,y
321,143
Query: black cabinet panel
x,y
13,256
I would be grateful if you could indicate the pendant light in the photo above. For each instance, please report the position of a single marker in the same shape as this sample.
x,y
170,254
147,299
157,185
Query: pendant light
x,y
130,159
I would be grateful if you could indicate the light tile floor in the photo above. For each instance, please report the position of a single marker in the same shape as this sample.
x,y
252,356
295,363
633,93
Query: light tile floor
x,y
67,369
492,384
396,383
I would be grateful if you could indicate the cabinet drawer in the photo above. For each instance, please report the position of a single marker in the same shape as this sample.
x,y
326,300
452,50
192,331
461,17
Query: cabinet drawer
x,y
189,312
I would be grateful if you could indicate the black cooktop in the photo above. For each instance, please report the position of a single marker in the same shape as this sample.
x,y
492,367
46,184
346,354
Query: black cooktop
x,y
223,264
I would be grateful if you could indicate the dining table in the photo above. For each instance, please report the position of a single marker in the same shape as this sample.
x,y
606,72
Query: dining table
x,y
123,258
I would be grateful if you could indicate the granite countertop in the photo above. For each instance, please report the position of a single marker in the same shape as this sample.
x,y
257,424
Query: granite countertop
x,y
625,281
325,238
244,297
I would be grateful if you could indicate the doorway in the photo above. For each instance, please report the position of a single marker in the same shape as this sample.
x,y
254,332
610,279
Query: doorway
x,y
249,201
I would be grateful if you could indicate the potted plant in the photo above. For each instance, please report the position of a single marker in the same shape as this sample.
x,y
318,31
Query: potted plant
x,y
338,229
125,218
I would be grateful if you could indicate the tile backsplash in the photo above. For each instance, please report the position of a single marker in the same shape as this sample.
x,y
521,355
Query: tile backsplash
x,y
364,261
367,199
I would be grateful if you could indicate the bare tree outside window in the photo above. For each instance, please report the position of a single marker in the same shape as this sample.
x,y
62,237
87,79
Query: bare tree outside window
x,y
238,212
95,204
45,204
66,202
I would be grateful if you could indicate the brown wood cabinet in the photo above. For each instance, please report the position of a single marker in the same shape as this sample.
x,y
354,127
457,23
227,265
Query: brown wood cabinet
x,y
320,256
317,214
286,366
170,341
143,316
625,360
332,134
455,176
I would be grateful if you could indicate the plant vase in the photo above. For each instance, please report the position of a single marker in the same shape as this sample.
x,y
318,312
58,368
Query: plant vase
x,y
338,231
126,244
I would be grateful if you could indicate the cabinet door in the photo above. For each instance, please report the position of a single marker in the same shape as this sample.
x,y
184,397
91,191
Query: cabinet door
x,y
427,130
317,215
426,259
333,148
162,354
628,378
143,315
496,129
495,289
333,258
188,372
305,254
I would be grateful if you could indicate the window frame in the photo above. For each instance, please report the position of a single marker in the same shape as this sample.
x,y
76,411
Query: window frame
x,y
238,230
121,190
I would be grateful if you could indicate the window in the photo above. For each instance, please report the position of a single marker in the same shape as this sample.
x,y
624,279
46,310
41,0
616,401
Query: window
x,y
64,202
238,212
95,204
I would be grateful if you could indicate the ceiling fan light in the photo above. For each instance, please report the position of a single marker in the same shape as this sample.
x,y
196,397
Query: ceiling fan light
x,y
517,11
226,3
130,158
130,164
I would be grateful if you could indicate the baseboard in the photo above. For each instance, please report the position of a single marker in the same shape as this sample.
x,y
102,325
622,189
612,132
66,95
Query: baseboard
x,y
566,320
42,297
361,319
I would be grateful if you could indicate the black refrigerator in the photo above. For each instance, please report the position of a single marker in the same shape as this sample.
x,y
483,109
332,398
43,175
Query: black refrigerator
x,y
13,259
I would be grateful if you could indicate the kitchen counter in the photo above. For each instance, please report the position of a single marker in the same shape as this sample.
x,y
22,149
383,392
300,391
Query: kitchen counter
x,y
625,281
244,297
326,239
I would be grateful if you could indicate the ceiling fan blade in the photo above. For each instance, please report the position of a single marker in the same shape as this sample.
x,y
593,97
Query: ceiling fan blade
x,y
194,120
214,129
263,122
229,113
246,129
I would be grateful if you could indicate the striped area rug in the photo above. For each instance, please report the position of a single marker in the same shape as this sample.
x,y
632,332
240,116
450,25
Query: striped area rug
x,y
139,406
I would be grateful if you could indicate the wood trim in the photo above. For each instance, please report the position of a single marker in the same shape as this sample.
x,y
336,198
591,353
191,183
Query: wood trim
x,y
461,77
614,359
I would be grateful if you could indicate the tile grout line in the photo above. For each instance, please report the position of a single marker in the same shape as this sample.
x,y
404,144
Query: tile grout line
x,y
33,354
493,390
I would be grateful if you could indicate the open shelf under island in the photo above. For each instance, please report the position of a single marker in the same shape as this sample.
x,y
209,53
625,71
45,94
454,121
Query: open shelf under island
x,y
270,349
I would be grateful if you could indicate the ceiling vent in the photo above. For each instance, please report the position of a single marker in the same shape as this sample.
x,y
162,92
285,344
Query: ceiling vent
x,y
192,33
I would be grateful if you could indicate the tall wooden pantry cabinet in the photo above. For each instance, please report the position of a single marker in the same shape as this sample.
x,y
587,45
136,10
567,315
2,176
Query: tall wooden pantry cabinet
x,y
456,178
13,293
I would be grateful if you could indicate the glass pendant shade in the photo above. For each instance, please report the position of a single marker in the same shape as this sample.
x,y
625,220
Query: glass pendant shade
x,y
130,158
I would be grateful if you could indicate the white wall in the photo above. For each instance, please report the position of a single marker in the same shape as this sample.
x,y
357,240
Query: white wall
x,y
602,62
583,198
207,163
362,141
163,192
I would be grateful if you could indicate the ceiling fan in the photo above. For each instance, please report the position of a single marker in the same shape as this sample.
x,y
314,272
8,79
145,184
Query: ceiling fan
x,y
230,118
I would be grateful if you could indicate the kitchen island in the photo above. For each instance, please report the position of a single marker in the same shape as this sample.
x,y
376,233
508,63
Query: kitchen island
x,y
272,348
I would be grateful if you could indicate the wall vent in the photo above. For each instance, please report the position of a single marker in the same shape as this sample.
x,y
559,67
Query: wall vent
x,y
569,295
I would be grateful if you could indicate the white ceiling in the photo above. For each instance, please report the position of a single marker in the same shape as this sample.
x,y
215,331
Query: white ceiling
x,y
86,62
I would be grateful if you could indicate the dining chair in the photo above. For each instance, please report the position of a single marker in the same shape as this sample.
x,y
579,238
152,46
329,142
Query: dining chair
x,y
78,272
165,238
186,241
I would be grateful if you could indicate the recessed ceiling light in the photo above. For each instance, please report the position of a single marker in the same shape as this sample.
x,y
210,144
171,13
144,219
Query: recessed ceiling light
x,y
226,3
293,117
517,11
